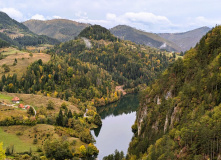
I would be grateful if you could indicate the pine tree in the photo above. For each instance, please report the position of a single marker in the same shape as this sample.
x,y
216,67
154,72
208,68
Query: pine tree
x,y
31,111
59,119
70,114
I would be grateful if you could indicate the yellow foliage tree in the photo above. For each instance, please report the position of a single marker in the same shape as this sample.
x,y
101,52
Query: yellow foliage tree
x,y
82,150
2,152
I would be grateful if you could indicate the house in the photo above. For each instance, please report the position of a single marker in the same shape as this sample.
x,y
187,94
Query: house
x,y
21,106
15,100
27,107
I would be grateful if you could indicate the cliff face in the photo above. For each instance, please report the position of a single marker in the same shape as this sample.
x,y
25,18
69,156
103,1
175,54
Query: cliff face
x,y
179,114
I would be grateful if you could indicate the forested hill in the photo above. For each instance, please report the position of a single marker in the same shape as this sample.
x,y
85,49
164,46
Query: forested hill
x,y
17,34
91,73
179,114
97,32
128,63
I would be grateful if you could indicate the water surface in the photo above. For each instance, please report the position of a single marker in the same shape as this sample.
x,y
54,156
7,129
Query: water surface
x,y
115,132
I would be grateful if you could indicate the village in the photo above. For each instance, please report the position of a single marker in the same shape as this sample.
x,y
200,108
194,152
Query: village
x,y
17,104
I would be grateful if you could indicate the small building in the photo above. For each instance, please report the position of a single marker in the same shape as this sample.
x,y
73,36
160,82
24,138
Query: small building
x,y
27,107
21,106
15,100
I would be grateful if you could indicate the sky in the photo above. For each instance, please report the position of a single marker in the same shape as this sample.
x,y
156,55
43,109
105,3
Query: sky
x,y
156,16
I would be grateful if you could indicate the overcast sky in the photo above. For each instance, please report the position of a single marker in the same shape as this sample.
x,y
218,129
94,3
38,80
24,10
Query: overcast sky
x,y
149,15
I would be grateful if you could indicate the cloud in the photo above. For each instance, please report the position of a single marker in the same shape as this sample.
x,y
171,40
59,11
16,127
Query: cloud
x,y
81,14
146,17
111,16
13,13
142,20
203,21
57,17
38,17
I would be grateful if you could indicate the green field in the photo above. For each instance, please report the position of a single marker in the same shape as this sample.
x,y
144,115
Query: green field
x,y
5,97
12,139
10,51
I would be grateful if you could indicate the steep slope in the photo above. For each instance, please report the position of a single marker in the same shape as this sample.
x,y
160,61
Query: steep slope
x,y
179,114
141,37
186,40
60,29
16,33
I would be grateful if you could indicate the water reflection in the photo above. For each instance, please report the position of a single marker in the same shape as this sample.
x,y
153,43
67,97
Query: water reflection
x,y
115,132
97,131
127,104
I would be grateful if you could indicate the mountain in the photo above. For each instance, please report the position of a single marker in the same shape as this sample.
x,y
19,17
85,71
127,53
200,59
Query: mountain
x,y
16,33
141,37
179,114
186,40
61,29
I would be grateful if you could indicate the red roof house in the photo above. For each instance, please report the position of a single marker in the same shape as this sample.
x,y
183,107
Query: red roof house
x,y
21,106
15,100
27,107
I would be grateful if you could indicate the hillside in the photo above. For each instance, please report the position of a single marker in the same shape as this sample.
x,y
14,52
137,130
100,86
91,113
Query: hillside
x,y
186,40
88,72
179,114
128,63
60,29
106,64
141,37
17,34
23,60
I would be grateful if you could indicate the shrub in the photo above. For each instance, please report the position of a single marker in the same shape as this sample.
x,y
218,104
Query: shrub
x,y
19,133
50,105
35,141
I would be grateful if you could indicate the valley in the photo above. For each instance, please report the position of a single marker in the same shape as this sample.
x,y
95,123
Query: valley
x,y
72,90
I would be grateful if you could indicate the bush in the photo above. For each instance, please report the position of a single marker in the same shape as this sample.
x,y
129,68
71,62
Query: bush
x,y
50,105
39,149
74,142
26,156
35,141
19,133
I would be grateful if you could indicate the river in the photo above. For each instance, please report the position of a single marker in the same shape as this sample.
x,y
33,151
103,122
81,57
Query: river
x,y
115,132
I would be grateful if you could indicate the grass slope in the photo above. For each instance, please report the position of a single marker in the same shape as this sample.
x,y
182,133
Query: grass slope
x,y
9,139
23,60
39,101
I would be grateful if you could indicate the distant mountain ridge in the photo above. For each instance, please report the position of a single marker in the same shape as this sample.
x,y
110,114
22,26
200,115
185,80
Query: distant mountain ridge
x,y
186,40
64,30
61,29
18,34
141,37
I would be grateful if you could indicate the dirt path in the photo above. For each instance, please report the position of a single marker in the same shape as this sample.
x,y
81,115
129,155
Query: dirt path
x,y
120,88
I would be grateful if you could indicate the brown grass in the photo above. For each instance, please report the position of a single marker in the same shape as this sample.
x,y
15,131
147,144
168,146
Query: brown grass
x,y
39,100
41,132
23,61
42,47
6,111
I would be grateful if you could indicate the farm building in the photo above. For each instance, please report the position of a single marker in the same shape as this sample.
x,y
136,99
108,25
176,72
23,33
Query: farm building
x,y
15,100
21,106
